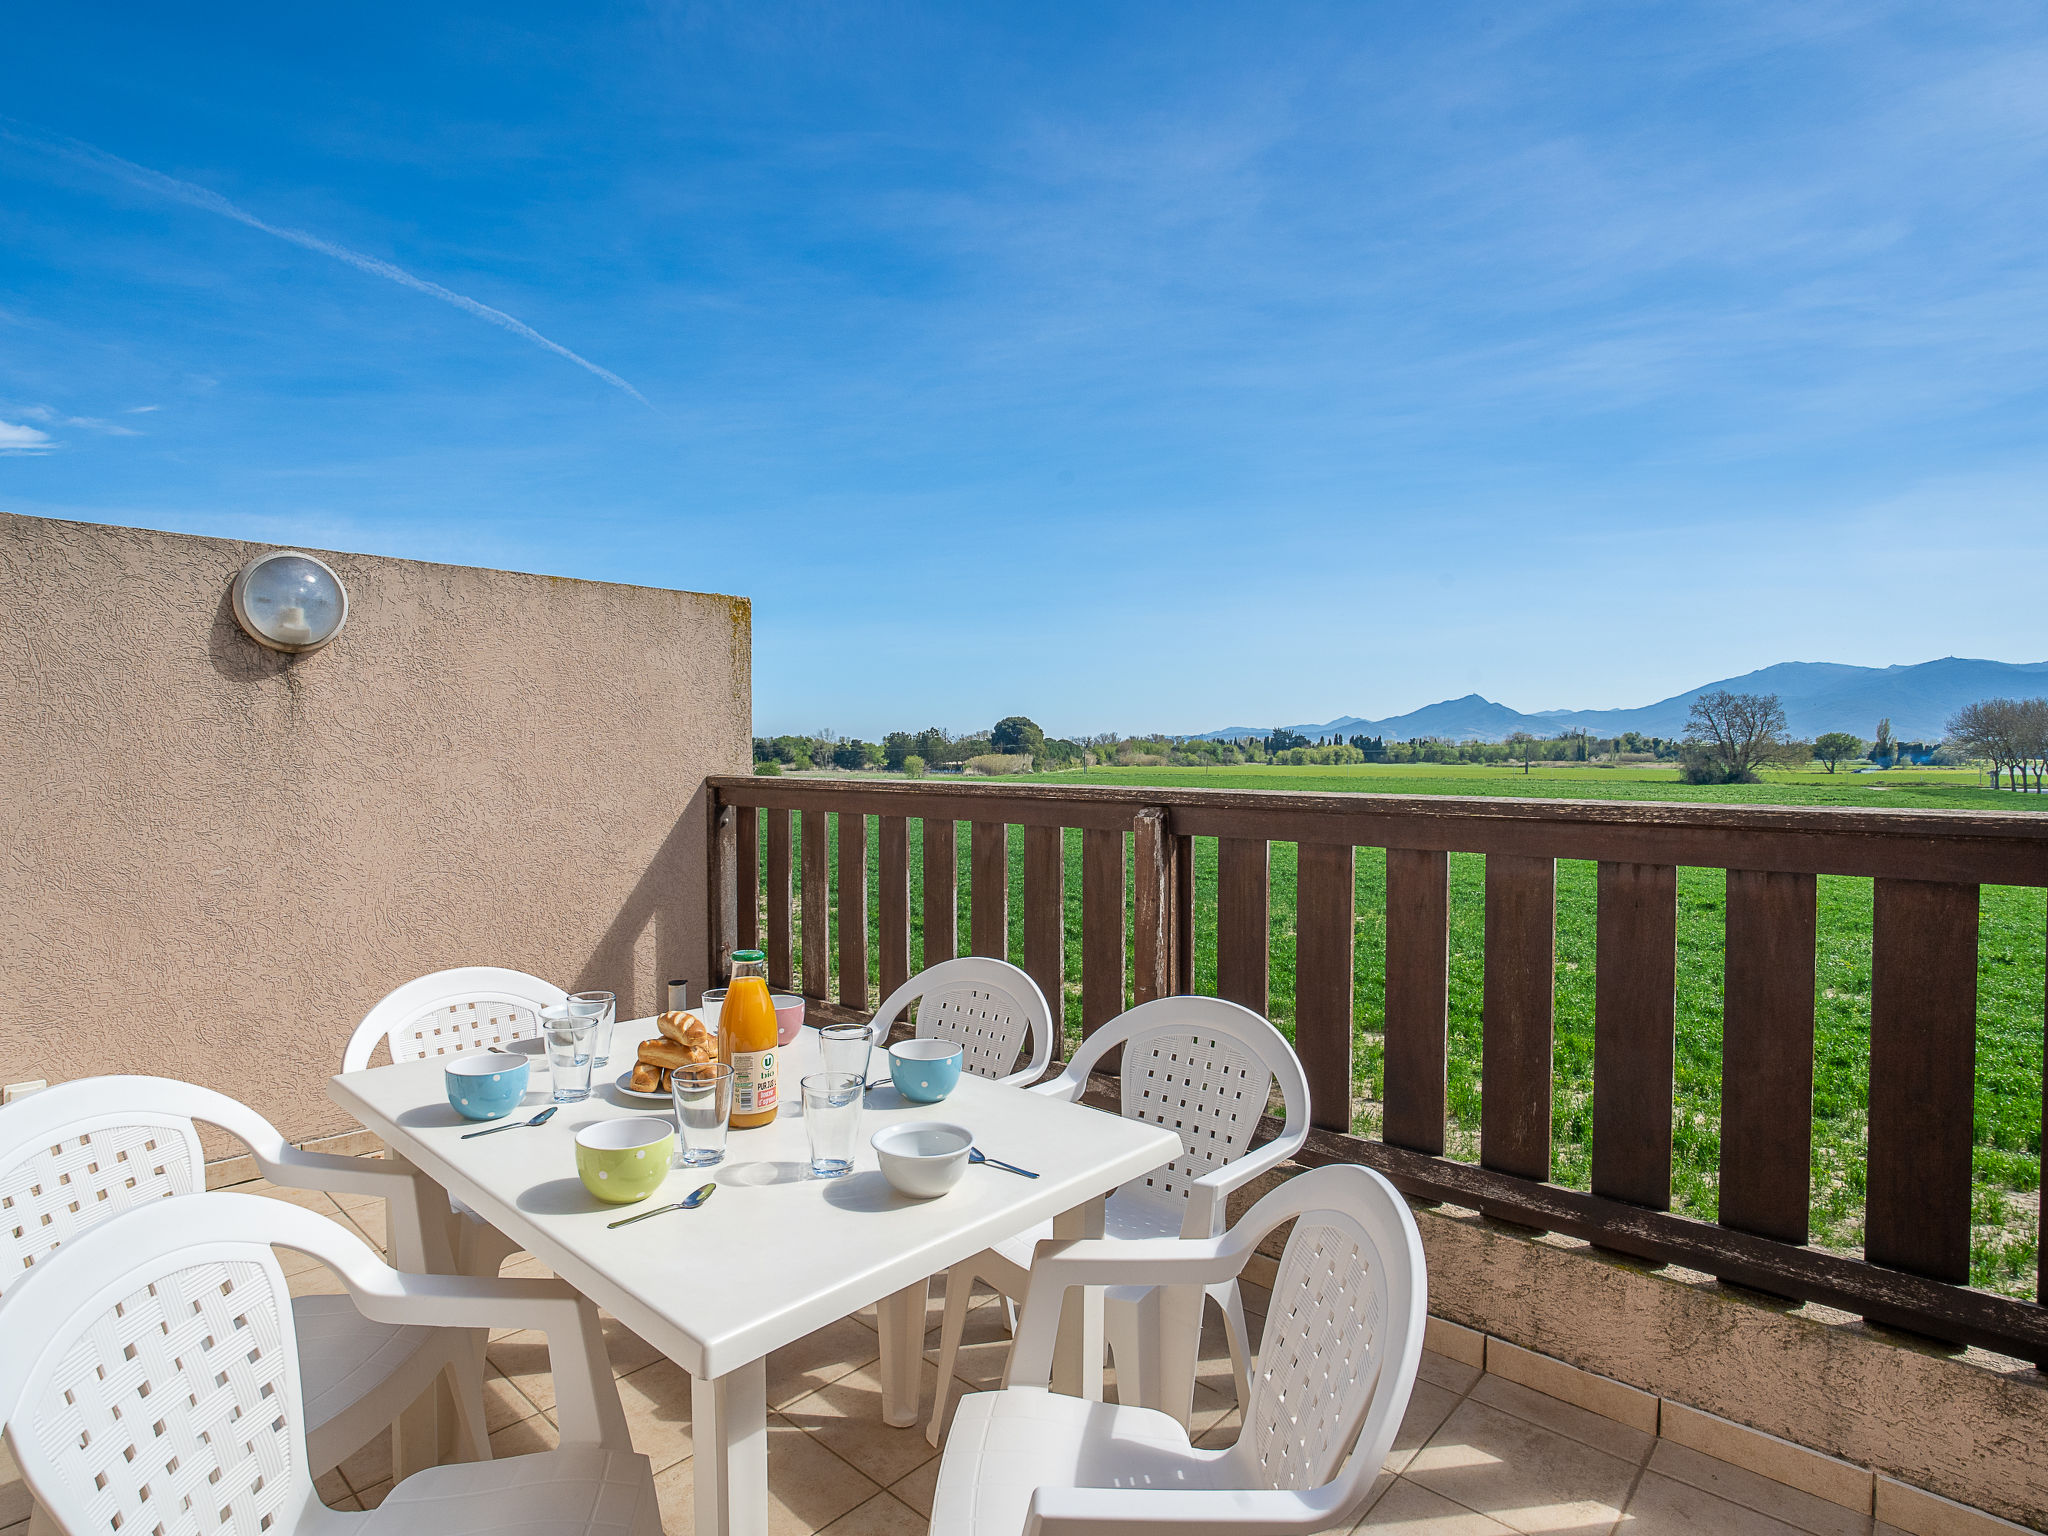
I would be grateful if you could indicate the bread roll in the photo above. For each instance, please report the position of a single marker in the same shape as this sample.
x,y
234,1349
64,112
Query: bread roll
x,y
648,1078
663,1053
683,1028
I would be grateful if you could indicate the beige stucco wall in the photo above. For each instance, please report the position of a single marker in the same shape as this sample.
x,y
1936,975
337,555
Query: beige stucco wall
x,y
216,858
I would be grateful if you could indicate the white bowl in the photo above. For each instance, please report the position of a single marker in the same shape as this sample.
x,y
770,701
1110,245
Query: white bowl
x,y
922,1158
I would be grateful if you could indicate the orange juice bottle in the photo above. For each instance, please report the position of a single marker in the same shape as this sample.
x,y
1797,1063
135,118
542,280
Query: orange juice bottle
x,y
746,1041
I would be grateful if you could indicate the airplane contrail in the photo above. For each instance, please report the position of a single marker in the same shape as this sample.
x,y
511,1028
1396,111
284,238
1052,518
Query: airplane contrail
x,y
200,197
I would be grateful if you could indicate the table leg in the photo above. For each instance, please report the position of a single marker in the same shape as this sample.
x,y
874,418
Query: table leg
x,y
1077,1358
899,1319
729,1425
1179,1348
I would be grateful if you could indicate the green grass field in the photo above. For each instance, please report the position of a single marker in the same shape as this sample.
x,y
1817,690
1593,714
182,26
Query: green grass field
x,y
2012,947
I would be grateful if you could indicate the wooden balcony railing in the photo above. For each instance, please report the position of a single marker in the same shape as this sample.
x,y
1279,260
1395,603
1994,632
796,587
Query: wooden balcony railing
x,y
1927,868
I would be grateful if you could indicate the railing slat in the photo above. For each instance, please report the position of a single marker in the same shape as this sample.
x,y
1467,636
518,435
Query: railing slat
x,y
1767,1054
817,906
853,910
721,862
1326,888
989,901
1635,1019
1152,885
1923,1038
781,974
1418,997
748,832
892,903
1521,955
1045,921
941,893
1102,927
1241,920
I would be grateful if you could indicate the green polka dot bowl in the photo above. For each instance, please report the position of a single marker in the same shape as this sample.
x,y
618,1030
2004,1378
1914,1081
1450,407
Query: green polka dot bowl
x,y
621,1161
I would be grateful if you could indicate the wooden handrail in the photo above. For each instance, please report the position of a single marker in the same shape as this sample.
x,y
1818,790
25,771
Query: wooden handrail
x,y
1927,865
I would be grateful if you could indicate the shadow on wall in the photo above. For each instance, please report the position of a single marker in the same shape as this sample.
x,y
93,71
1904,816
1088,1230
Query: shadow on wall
x,y
652,939
233,654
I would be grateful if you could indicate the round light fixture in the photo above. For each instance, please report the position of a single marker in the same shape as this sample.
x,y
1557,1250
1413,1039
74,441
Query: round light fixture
x,y
289,601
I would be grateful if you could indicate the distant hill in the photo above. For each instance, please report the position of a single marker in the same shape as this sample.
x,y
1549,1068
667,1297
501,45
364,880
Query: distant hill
x,y
1818,695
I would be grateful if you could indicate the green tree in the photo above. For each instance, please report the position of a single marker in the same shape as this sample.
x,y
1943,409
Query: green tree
x,y
1016,735
1832,747
850,754
1522,747
896,746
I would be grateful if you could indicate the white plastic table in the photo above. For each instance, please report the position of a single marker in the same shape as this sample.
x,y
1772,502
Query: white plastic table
x,y
775,1254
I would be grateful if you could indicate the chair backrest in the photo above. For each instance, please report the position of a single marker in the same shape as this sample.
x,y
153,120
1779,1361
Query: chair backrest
x,y
452,1013
1204,1068
988,1007
74,1155
1343,1335
152,1378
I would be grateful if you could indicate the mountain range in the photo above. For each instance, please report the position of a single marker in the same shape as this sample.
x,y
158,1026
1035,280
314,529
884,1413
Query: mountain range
x,y
1818,696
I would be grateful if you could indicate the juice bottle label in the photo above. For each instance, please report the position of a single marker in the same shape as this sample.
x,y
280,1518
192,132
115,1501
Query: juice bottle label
x,y
754,1084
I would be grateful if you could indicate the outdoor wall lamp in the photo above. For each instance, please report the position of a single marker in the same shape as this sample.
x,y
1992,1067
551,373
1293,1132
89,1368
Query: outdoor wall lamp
x,y
289,601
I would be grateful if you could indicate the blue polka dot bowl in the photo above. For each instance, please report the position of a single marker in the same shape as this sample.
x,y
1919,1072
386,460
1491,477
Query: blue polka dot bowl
x,y
485,1087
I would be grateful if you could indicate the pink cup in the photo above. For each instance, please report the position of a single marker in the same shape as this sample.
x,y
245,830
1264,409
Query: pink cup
x,y
789,1017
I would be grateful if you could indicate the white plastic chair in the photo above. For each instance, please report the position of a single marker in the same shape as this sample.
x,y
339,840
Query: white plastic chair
x,y
82,1153
455,1013
1205,1068
1335,1369
153,1383
987,1007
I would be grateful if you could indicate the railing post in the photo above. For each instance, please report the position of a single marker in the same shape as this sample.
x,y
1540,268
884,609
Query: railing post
x,y
941,893
722,910
1102,927
747,835
1418,981
817,905
1045,922
781,972
1243,921
1516,1014
1635,1017
1152,916
892,943
988,902
853,910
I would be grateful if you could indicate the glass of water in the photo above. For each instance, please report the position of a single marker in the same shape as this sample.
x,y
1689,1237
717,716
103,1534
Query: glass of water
x,y
604,1006
570,1036
832,1118
844,1048
703,1098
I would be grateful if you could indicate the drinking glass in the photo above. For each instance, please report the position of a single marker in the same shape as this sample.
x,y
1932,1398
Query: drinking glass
x,y
703,1097
570,1037
604,1007
844,1048
832,1118
709,1001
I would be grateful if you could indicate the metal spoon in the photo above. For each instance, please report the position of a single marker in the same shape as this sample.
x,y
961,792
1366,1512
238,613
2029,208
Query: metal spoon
x,y
689,1202
517,1125
976,1155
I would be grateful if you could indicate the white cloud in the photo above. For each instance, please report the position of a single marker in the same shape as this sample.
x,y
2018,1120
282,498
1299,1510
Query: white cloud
x,y
18,439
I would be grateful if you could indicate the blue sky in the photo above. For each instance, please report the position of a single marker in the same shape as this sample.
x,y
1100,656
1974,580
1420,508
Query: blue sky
x,y
1126,366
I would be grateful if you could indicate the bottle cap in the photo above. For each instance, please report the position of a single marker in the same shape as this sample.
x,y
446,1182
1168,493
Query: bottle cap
x,y
749,956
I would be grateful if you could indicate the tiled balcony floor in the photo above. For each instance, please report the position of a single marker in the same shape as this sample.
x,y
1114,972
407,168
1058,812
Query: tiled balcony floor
x,y
1477,1454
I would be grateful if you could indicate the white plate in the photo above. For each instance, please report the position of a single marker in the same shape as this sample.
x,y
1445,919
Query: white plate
x,y
628,1091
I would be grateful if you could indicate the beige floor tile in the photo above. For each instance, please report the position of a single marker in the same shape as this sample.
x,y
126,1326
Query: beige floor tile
x,y
19,1528
917,1489
1442,1371
625,1348
1807,1511
307,1199
370,1498
504,1403
293,1262
371,1464
524,1266
846,1417
1663,1506
808,1487
1605,1434
370,1221
525,1437
523,1360
819,1359
332,1490
1428,1407
1522,1474
882,1515
1414,1510
934,1305
14,1496
657,1402
317,1281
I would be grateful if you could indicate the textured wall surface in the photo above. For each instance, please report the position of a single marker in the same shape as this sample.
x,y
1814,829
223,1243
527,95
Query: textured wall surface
x,y
217,857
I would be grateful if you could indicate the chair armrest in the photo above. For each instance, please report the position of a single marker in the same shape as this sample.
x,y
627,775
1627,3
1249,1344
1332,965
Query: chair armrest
x,y
1183,1512
586,1397
1057,1266
1207,1195
1066,1085
416,1243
